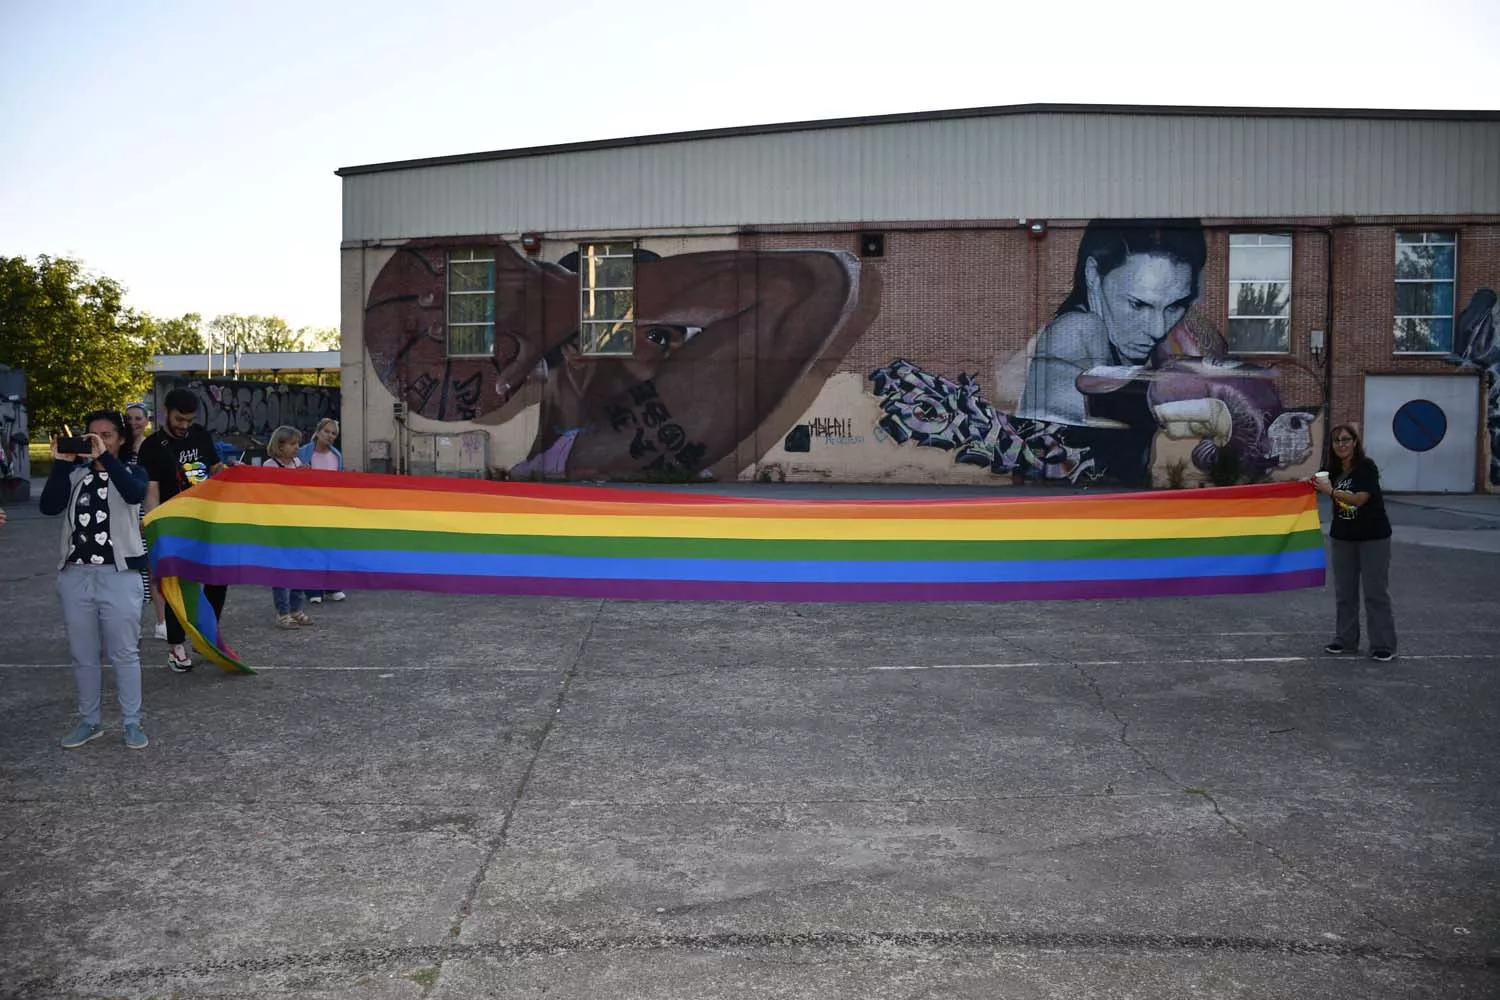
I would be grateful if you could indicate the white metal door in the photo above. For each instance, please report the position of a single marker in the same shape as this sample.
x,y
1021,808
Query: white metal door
x,y
1423,431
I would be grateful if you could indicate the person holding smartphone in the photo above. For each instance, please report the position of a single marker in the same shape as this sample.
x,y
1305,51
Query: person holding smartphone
x,y
180,455
99,578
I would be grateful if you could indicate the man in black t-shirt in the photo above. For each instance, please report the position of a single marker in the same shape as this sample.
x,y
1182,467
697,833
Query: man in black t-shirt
x,y
178,457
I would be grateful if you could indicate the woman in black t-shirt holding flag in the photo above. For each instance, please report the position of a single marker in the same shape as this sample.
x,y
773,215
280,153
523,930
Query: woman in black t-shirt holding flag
x,y
1361,535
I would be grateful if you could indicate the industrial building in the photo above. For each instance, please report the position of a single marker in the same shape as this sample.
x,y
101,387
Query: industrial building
x,y
1137,295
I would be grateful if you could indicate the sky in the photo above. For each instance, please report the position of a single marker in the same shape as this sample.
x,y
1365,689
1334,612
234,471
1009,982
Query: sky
x,y
187,149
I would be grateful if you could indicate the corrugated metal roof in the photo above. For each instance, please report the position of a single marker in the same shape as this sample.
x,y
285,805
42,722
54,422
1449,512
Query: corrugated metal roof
x,y
1386,114
1056,163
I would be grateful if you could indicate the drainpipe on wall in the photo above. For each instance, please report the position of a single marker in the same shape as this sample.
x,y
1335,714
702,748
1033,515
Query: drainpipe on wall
x,y
1328,265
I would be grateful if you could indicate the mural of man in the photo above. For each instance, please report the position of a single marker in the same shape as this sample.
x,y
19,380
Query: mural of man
x,y
729,346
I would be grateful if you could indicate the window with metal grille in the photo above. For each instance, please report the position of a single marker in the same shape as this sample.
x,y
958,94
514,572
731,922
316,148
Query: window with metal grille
x,y
1426,266
606,282
1260,293
471,303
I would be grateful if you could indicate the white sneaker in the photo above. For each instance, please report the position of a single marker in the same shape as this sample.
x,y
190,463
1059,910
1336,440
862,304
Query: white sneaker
x,y
160,632
315,600
337,595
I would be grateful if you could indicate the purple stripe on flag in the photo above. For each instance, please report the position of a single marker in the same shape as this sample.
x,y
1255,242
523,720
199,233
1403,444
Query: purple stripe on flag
x,y
748,590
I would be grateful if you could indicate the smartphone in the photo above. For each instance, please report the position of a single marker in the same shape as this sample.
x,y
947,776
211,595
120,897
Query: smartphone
x,y
74,446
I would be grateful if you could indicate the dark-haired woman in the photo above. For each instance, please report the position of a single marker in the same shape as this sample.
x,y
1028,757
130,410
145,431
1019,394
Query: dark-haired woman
x,y
1361,534
99,581
1133,282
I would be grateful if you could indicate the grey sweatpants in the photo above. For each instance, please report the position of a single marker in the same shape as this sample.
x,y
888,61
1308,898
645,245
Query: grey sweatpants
x,y
1367,566
102,609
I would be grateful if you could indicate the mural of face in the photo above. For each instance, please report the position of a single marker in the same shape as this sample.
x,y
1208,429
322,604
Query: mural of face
x,y
1123,363
730,346
1140,302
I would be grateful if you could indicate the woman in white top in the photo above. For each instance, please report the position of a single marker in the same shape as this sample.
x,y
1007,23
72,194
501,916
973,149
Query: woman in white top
x,y
319,453
281,452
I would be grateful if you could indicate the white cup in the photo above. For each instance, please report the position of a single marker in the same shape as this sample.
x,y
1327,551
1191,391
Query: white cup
x,y
1321,477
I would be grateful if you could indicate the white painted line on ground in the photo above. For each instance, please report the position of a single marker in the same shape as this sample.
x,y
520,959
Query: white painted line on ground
x,y
390,670
1178,662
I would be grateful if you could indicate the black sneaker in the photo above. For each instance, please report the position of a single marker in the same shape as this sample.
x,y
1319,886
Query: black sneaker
x,y
1335,648
1382,655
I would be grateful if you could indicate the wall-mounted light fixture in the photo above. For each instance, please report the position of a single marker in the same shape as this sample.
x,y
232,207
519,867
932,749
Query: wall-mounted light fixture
x,y
1036,228
1315,344
531,243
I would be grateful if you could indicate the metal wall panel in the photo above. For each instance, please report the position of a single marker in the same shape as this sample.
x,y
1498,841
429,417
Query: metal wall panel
x,y
1058,165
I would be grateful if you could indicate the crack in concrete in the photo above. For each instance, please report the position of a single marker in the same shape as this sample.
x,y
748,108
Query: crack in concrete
x,y
1124,735
466,907
1243,832
363,959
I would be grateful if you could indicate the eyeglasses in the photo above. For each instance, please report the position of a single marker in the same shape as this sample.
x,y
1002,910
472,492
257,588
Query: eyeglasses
x,y
1343,440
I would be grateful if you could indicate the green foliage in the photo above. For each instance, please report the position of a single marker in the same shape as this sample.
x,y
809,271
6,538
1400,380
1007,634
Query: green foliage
x,y
80,347
268,333
40,454
183,335
320,338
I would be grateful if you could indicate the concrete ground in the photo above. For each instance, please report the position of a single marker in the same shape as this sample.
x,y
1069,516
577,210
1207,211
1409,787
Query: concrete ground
x,y
428,797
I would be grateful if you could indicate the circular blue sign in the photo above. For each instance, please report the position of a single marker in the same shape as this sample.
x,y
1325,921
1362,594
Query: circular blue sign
x,y
1419,425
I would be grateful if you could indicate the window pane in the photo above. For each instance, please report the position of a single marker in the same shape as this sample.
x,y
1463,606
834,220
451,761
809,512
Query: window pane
x,y
1425,261
609,250
1425,335
607,272
607,305
471,340
608,338
471,253
471,308
475,276
1260,240
1437,236
1421,298
1260,264
1248,336
1260,298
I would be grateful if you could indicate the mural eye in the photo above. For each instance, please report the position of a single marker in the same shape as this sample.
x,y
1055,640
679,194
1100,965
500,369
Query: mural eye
x,y
664,336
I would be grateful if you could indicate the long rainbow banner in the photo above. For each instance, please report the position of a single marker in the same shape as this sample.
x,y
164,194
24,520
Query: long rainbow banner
x,y
313,530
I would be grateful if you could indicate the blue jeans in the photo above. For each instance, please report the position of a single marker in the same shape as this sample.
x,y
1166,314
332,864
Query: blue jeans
x,y
102,609
286,600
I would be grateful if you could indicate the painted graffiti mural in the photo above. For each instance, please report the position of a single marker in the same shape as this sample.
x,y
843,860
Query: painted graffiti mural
x,y
1477,345
1123,359
784,360
15,463
727,344
244,411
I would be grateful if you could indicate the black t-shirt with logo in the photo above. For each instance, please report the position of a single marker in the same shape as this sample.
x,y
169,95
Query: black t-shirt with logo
x,y
1360,524
176,464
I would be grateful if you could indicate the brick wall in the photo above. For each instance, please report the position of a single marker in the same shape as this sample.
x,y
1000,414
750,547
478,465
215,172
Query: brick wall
x,y
956,298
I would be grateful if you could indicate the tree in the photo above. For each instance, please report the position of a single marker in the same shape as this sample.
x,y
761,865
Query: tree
x,y
320,338
71,333
254,333
183,335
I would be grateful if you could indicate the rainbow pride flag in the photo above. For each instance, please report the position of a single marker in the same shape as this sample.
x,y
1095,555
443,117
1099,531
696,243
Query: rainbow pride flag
x,y
315,530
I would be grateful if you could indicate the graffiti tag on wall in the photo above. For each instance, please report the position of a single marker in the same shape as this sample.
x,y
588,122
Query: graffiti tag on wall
x,y
728,345
1121,361
15,462
1477,345
237,409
